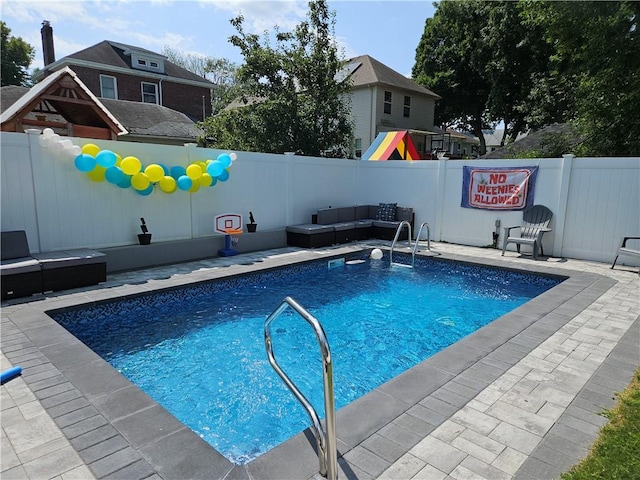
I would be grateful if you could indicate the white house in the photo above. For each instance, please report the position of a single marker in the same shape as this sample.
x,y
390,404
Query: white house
x,y
384,100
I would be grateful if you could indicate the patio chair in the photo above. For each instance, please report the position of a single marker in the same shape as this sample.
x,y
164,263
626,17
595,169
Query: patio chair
x,y
535,222
623,249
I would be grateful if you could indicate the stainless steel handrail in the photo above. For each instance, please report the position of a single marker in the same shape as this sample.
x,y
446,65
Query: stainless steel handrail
x,y
325,438
415,245
395,239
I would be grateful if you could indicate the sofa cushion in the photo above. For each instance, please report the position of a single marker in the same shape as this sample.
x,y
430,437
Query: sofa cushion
x,y
339,227
363,223
15,266
309,228
346,214
69,258
328,215
362,212
386,212
404,213
14,244
385,224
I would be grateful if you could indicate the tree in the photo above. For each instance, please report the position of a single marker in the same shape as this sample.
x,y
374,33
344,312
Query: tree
x,y
482,59
293,97
220,71
597,61
451,60
16,55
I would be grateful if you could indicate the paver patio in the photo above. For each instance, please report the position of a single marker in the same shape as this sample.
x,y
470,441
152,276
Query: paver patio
x,y
526,406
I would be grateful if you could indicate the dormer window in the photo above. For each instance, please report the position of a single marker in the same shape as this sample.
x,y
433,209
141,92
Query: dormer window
x,y
143,62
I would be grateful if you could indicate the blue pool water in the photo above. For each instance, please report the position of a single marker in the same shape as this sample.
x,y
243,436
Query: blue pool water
x,y
199,352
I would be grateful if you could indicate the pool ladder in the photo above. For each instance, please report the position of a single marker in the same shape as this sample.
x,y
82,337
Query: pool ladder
x,y
415,245
325,438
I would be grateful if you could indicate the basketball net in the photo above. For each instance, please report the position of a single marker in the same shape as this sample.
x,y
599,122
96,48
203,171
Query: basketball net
x,y
234,236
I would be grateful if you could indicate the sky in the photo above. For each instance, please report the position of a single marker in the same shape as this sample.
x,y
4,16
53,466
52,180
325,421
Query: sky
x,y
387,30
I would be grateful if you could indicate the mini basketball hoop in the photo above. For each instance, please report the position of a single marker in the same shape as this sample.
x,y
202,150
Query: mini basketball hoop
x,y
231,225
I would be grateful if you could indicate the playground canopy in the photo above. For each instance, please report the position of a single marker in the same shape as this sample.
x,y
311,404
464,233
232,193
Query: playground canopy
x,y
392,146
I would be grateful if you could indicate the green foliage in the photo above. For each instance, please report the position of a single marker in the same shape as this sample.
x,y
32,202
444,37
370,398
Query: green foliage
x,y
16,55
597,62
616,453
293,100
451,60
482,60
531,63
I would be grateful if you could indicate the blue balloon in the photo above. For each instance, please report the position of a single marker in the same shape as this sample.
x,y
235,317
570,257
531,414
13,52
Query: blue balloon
x,y
125,182
225,159
215,168
184,182
178,171
85,162
214,180
114,175
146,191
167,172
106,158
224,176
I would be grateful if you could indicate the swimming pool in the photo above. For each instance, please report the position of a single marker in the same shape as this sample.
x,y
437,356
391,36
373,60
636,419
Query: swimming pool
x,y
137,334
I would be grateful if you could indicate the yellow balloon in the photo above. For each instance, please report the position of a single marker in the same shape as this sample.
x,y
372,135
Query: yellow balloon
x,y
90,149
131,166
205,180
140,181
118,160
194,187
97,174
194,171
154,172
168,184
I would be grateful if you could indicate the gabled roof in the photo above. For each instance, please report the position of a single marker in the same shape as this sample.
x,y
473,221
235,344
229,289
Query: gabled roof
x,y
64,96
117,56
369,71
151,120
135,120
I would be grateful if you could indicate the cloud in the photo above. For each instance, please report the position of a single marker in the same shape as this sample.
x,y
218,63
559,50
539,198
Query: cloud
x,y
263,15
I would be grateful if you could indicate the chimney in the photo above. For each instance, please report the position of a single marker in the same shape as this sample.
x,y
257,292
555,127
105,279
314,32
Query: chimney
x,y
47,43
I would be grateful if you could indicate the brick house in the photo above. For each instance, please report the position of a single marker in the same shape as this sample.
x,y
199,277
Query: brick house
x,y
113,70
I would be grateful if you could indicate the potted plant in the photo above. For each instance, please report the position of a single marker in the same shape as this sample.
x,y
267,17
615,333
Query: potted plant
x,y
251,227
145,237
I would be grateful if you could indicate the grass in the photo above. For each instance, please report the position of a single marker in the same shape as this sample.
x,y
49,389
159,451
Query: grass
x,y
616,452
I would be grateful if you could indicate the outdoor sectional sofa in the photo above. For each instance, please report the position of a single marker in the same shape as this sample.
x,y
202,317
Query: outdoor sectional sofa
x,y
23,274
331,226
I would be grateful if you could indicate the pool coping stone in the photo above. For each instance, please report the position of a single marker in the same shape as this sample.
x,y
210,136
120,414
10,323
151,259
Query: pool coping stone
x,y
157,442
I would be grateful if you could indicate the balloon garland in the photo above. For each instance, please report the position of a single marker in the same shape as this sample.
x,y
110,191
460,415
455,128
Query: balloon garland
x,y
129,172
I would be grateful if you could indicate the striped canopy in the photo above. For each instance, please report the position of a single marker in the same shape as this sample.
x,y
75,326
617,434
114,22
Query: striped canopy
x,y
392,146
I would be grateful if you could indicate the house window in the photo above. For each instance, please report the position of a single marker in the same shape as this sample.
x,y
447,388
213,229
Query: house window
x,y
407,106
358,148
387,102
142,62
108,87
153,64
149,92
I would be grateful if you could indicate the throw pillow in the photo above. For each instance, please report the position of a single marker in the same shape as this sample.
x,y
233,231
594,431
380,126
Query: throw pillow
x,y
386,212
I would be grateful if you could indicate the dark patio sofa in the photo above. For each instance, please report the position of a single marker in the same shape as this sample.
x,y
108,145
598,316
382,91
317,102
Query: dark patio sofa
x,y
24,274
340,225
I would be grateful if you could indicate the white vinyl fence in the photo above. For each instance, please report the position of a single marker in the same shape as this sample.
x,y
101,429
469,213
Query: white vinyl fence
x,y
595,201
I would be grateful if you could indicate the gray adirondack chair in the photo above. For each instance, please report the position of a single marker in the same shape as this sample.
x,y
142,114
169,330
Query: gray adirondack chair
x,y
535,223
625,249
